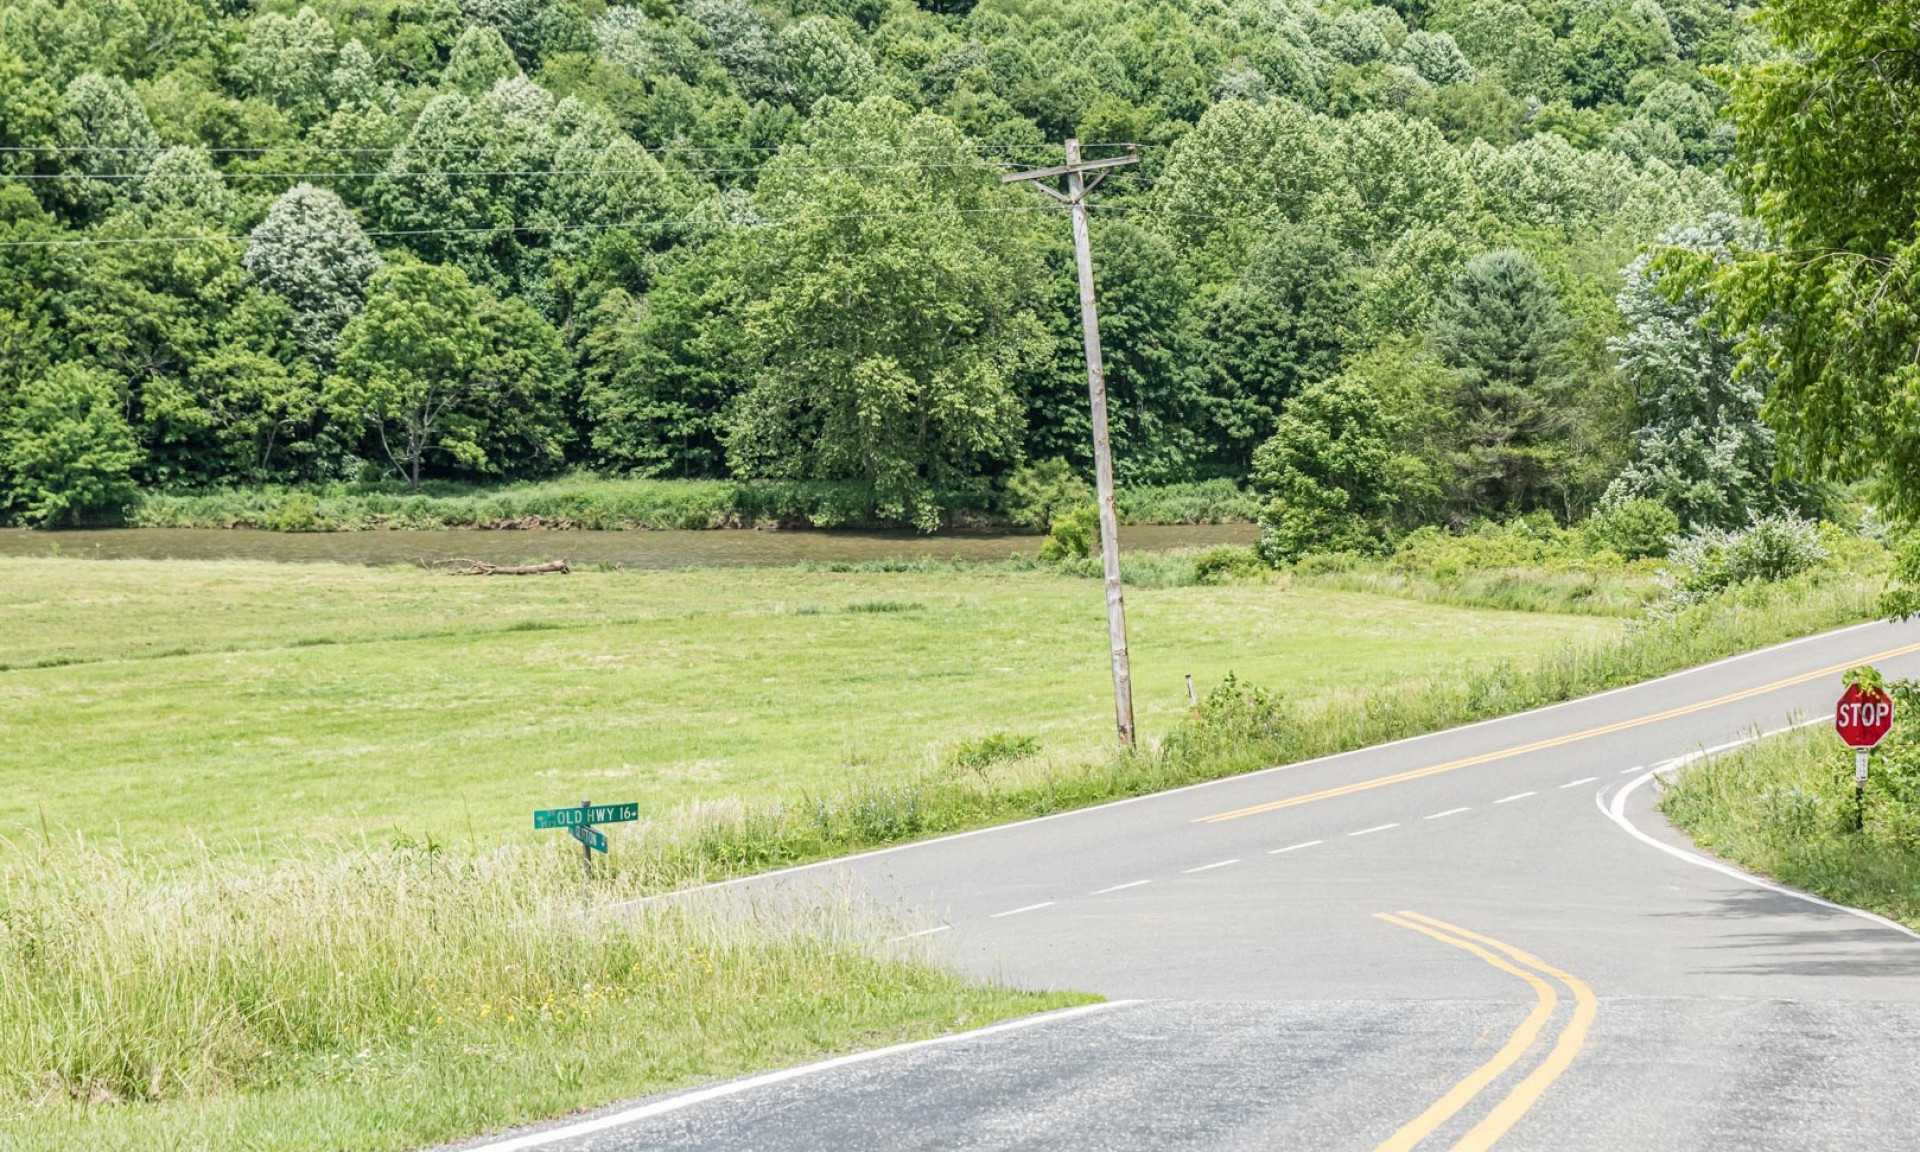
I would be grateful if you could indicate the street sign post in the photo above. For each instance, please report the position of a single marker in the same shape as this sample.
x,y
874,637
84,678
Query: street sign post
x,y
1863,718
580,821
585,814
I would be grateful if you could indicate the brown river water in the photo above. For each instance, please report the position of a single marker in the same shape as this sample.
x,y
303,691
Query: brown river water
x,y
637,549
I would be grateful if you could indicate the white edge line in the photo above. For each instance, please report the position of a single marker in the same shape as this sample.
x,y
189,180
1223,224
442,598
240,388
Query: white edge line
x,y
734,1087
834,861
1017,911
1616,812
1120,887
1210,867
922,932
1448,812
1577,783
1515,796
1375,828
1291,847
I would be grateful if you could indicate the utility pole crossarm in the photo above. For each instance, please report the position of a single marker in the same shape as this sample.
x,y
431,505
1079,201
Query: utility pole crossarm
x,y
1069,169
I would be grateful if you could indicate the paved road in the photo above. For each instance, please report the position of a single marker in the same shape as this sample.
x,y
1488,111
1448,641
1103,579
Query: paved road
x,y
1452,942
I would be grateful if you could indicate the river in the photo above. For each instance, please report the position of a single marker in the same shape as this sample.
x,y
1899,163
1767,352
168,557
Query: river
x,y
636,549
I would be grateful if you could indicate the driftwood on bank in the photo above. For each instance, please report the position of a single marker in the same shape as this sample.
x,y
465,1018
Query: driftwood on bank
x,y
482,568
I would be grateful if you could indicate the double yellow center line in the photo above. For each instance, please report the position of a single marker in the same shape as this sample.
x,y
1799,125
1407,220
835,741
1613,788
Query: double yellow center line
x,y
1551,742
1504,1115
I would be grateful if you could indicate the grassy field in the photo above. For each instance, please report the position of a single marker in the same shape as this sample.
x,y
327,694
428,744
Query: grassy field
x,y
1784,807
255,703
390,999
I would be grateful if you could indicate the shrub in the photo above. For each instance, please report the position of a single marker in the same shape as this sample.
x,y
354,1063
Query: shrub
x,y
1219,565
1235,720
997,748
1635,528
1074,536
1769,549
1042,492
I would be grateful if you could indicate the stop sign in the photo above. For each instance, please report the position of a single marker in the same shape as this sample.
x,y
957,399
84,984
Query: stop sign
x,y
1863,716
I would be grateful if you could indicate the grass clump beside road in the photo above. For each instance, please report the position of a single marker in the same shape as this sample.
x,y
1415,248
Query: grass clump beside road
x,y
392,998
1784,807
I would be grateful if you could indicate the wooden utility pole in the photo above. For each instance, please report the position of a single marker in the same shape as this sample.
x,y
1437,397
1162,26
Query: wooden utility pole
x,y
1075,170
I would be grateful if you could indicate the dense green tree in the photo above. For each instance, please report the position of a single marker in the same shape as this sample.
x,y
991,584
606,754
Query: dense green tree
x,y
434,366
1702,448
1326,472
287,59
1282,326
105,136
887,324
1829,160
1501,328
312,253
480,59
66,453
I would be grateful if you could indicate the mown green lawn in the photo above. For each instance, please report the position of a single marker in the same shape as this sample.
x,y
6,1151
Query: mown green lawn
x,y
250,702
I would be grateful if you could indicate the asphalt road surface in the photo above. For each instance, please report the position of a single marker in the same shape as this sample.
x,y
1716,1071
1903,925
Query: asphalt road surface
x,y
1484,937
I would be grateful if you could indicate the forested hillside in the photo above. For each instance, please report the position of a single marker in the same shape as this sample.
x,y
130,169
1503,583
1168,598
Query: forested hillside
x,y
248,242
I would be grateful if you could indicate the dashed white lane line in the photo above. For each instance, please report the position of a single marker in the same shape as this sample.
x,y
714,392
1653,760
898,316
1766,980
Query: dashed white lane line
x,y
1582,780
1294,847
922,932
1375,828
1515,796
1635,768
1448,812
1210,867
1118,887
1017,911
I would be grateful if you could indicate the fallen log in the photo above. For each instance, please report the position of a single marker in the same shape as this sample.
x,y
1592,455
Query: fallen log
x,y
482,568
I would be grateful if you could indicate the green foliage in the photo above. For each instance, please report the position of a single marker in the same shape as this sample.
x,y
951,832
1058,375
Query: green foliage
x,y
312,252
886,323
1769,549
1702,448
434,364
771,244
1501,328
1074,535
1042,492
1225,565
983,753
1635,529
1326,473
66,451
1826,162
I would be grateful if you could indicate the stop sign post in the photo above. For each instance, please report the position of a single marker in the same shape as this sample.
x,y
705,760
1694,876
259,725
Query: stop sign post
x,y
1863,717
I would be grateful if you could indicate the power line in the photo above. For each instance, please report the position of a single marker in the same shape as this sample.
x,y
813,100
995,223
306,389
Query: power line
x,y
545,229
264,149
424,172
689,222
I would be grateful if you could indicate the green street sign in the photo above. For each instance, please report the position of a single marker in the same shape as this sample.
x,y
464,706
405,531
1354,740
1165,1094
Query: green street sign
x,y
591,837
585,814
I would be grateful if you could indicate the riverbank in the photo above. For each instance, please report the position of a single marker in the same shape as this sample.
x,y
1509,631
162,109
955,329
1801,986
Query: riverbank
x,y
584,500
1783,807
590,548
